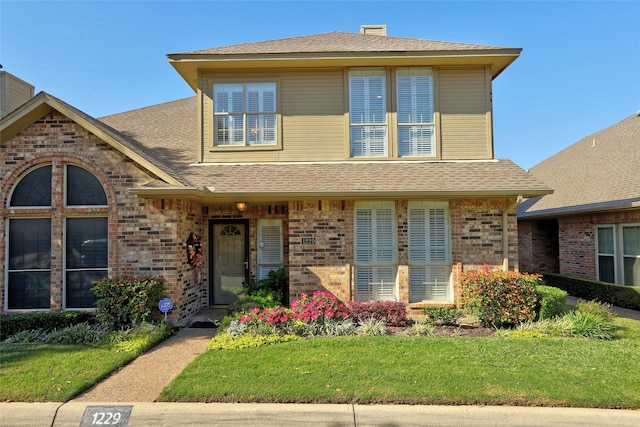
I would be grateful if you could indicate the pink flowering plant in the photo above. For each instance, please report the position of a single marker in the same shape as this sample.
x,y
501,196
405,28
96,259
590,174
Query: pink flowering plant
x,y
302,318
321,306
270,320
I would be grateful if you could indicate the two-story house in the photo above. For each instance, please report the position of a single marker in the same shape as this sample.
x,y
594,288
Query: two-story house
x,y
361,163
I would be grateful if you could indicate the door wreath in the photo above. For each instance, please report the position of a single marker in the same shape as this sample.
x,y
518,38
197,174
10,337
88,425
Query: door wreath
x,y
194,250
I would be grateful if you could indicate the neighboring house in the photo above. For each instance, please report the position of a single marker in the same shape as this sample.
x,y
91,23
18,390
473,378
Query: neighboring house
x,y
590,226
363,164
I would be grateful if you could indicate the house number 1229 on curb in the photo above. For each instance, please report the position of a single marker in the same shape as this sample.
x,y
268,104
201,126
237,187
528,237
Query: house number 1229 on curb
x,y
106,416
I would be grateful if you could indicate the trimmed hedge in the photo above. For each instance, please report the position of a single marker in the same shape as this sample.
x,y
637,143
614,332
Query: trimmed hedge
x,y
618,295
11,324
551,302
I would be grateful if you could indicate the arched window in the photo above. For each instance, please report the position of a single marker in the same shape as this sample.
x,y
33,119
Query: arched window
x,y
34,189
83,189
85,238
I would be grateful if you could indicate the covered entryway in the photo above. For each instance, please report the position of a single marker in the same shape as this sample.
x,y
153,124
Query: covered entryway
x,y
229,259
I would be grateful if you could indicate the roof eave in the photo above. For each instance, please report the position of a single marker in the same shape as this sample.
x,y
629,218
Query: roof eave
x,y
43,103
188,65
580,210
209,194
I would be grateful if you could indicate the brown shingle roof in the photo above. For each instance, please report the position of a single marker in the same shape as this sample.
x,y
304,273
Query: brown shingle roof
x,y
368,178
169,131
601,171
338,41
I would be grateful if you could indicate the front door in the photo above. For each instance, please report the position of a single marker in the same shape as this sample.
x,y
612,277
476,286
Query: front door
x,y
230,260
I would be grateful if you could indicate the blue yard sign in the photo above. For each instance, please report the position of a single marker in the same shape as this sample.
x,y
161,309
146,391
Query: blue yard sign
x,y
165,305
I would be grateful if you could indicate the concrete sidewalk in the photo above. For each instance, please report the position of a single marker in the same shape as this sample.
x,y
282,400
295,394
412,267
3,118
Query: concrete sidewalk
x,y
279,415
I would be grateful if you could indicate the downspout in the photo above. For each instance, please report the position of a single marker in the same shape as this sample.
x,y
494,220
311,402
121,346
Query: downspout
x,y
505,232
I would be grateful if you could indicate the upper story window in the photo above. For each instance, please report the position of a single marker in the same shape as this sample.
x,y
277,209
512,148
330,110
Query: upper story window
x,y
414,93
245,114
368,112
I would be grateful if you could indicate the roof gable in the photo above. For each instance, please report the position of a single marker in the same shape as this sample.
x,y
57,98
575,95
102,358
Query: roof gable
x,y
599,172
43,103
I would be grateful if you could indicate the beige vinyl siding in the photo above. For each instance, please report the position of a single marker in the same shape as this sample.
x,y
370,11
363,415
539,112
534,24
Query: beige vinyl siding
x,y
465,108
13,93
312,118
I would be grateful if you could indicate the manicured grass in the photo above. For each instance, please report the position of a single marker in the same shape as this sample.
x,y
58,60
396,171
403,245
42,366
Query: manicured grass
x,y
57,373
396,369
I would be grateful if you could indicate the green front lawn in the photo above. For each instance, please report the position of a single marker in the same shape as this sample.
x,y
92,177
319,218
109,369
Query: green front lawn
x,y
395,369
57,373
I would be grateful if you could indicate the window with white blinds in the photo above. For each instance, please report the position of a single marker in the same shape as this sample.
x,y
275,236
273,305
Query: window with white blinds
x,y
245,114
375,251
414,94
429,251
368,112
618,254
269,246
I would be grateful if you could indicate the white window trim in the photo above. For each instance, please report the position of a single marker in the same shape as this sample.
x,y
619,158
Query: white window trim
x,y
245,146
377,267
360,72
427,263
272,264
428,71
618,250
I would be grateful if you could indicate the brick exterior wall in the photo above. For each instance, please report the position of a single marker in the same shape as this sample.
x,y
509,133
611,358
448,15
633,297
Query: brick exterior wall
x,y
577,236
147,236
327,264
566,245
538,246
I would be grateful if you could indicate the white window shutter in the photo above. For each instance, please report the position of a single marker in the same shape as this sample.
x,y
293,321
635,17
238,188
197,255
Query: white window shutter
x,y
414,95
269,246
429,251
375,251
368,112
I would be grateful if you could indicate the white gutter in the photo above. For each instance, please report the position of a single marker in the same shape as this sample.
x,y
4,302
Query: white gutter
x,y
505,232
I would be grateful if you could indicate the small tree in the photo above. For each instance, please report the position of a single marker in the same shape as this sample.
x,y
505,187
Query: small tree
x,y
500,298
126,301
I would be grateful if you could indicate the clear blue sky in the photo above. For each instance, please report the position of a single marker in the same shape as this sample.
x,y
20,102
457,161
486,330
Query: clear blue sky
x,y
579,71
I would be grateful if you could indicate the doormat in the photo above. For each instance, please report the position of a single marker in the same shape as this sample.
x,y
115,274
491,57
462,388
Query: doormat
x,y
203,325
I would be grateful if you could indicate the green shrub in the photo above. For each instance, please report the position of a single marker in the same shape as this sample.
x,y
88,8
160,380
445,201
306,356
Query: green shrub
x,y
500,298
224,341
124,302
242,306
274,287
372,327
421,329
590,325
551,302
572,324
442,315
80,334
12,324
597,308
139,339
618,295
